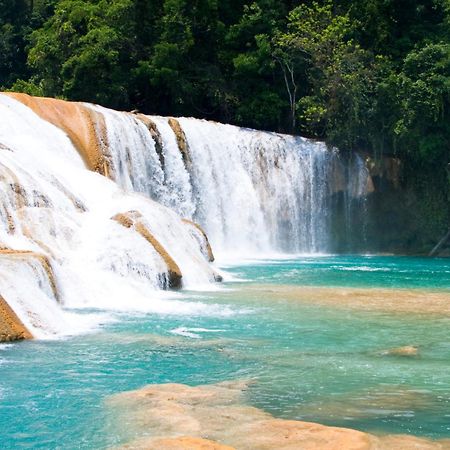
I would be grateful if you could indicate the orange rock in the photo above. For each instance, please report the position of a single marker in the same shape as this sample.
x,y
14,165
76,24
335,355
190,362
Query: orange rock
x,y
180,443
156,135
133,219
210,254
181,141
11,327
219,413
84,126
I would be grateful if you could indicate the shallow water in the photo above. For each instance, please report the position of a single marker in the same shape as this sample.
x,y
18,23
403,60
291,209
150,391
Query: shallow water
x,y
307,361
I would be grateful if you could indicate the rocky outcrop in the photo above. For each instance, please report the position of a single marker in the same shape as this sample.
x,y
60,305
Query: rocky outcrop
x,y
43,261
178,443
385,170
156,135
11,327
84,126
204,244
133,219
181,141
219,413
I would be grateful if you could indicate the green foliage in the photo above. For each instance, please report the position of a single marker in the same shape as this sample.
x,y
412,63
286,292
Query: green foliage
x,y
27,87
82,52
424,98
13,19
255,80
179,71
368,75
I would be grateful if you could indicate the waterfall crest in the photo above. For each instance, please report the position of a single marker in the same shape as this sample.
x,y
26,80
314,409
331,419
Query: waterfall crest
x,y
253,192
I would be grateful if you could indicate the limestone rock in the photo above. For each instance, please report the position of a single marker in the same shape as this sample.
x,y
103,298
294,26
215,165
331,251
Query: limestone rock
x,y
133,219
11,327
156,135
219,413
85,127
206,245
181,141
43,260
414,301
179,443
386,168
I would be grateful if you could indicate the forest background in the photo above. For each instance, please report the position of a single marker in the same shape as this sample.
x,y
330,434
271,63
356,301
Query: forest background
x,y
371,76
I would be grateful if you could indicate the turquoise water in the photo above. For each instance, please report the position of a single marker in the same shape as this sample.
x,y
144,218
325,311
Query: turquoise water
x,y
358,271
307,361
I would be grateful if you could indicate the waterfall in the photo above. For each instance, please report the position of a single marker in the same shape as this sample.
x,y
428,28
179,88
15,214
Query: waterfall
x,y
53,209
102,209
253,192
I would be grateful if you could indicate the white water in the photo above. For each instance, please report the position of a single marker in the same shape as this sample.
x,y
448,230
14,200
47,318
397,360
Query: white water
x,y
255,193
52,205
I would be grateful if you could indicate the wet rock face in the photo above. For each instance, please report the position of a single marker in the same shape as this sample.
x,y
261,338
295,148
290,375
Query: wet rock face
x,y
181,141
43,261
204,241
11,328
156,135
133,219
85,127
385,172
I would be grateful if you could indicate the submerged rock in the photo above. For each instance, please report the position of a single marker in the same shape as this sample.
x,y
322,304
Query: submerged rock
x,y
407,350
168,413
413,301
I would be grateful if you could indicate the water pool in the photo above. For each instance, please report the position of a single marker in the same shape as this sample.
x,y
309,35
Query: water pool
x,y
309,357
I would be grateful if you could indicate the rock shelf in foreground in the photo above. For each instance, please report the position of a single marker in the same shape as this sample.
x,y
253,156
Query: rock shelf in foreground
x,y
214,417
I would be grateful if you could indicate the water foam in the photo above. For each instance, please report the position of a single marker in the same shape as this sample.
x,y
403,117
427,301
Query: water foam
x,y
53,206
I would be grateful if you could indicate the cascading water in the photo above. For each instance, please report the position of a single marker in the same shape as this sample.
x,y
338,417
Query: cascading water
x,y
355,203
266,191
109,244
253,192
53,208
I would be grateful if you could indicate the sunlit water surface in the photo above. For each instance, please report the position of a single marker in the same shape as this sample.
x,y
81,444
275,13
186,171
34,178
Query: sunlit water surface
x,y
308,362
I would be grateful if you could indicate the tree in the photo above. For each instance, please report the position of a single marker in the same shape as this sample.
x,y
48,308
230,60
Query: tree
x,y
84,50
182,68
423,86
256,90
14,15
